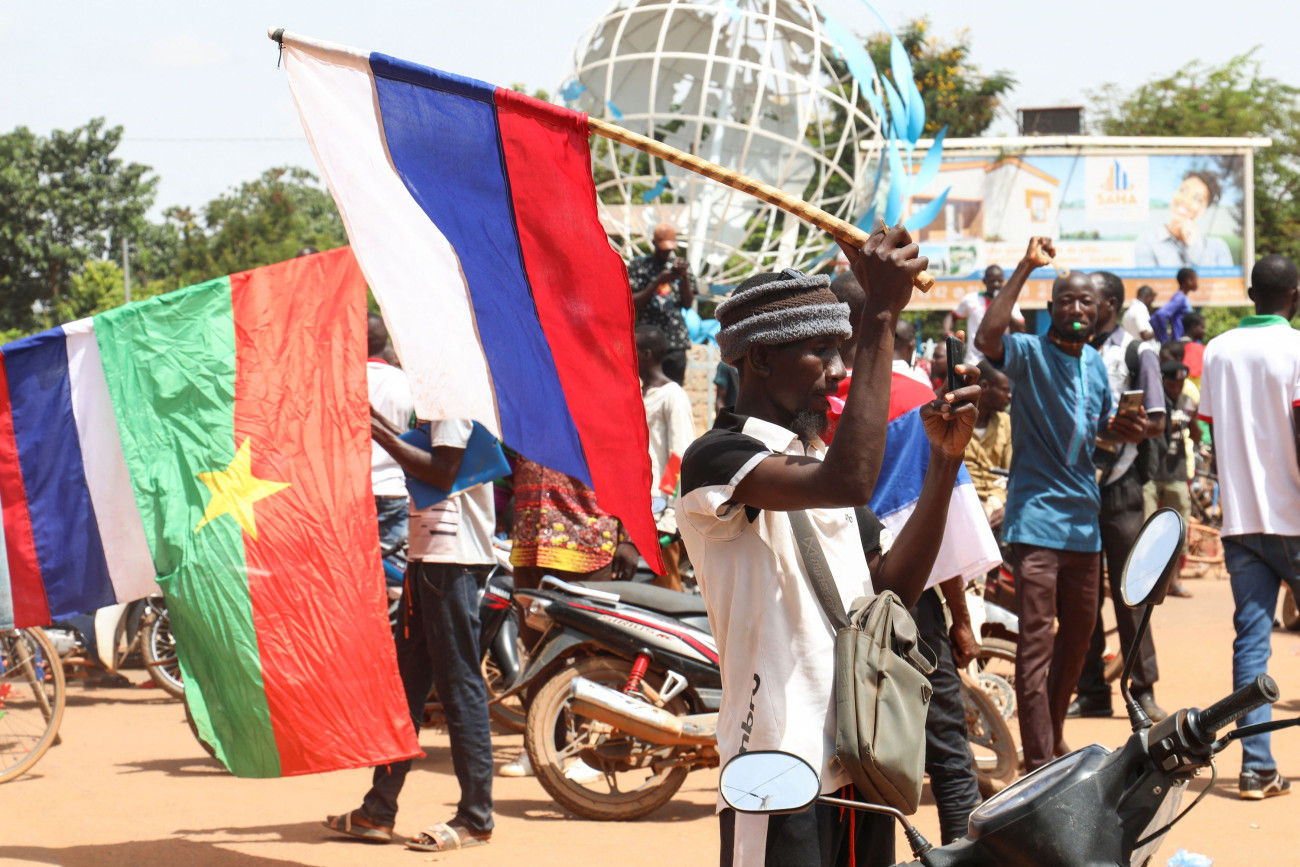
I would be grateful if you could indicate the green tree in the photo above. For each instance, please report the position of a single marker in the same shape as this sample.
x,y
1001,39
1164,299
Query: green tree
x,y
96,287
66,199
263,221
1232,99
955,92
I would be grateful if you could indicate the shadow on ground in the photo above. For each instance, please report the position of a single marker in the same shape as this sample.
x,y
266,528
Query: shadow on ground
x,y
173,851
190,766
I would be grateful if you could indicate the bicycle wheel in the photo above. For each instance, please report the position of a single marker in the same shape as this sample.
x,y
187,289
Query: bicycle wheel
x,y
32,696
160,653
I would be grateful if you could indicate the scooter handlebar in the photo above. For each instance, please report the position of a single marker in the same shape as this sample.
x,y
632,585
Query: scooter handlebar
x,y
1263,690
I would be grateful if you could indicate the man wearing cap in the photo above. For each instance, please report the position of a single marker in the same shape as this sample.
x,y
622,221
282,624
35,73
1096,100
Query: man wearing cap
x,y
765,458
662,287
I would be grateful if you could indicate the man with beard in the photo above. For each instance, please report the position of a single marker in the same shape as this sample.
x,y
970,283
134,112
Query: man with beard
x,y
783,332
1063,403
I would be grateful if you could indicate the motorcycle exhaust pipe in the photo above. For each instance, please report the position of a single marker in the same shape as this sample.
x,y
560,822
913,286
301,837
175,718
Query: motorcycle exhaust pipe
x,y
641,720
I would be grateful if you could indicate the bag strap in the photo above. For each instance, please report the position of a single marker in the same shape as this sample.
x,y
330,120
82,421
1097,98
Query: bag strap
x,y
819,572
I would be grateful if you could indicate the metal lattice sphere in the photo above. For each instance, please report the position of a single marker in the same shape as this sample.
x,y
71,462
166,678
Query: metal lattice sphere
x,y
753,85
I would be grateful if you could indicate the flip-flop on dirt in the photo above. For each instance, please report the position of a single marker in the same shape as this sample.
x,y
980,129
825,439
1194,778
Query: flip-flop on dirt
x,y
443,838
356,825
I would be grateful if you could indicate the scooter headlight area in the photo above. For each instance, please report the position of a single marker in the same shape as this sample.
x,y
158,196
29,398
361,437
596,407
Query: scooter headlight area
x,y
1012,802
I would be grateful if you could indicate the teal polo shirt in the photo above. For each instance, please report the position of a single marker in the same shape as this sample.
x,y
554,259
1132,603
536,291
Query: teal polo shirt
x,y
1059,402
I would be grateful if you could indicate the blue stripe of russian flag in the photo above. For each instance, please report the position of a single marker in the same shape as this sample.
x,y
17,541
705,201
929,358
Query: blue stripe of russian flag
x,y
61,558
442,134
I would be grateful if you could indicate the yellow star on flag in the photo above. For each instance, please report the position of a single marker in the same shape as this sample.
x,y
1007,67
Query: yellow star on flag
x,y
235,490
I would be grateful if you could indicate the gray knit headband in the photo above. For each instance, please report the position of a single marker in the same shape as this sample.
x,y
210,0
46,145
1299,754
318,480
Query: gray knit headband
x,y
795,307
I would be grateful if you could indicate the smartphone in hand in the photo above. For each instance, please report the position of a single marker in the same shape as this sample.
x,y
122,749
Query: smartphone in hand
x,y
1130,402
956,355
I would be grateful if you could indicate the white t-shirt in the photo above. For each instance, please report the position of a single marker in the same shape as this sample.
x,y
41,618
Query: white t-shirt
x,y
1114,353
459,529
1249,385
775,644
901,366
390,395
1137,318
972,308
672,427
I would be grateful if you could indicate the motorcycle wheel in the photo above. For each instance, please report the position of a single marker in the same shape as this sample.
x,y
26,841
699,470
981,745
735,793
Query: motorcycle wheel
x,y
992,743
630,785
510,713
995,669
160,654
1290,612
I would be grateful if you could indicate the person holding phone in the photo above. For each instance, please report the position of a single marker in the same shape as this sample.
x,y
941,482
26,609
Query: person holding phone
x,y
784,332
662,287
1133,370
1063,403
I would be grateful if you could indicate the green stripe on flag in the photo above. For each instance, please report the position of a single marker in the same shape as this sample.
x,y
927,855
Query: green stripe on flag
x,y
170,365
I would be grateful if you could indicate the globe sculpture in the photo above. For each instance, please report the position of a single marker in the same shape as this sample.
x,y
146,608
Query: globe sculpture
x,y
757,86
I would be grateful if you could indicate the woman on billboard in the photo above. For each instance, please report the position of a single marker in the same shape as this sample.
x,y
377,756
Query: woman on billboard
x,y
1180,243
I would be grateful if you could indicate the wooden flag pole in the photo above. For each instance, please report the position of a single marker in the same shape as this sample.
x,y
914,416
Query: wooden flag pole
x,y
829,223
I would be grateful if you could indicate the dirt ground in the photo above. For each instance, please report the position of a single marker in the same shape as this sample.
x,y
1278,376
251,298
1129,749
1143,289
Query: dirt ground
x,y
128,785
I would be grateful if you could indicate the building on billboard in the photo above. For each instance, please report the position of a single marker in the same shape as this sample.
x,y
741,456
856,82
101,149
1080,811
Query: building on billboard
x,y
1140,207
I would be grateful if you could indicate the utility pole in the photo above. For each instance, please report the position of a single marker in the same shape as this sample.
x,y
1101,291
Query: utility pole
x,y
126,272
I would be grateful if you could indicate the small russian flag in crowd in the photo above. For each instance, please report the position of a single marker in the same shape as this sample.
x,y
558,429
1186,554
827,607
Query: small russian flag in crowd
x,y
969,548
472,211
72,538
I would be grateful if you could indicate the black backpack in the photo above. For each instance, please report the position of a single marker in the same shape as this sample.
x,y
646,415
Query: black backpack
x,y
1149,451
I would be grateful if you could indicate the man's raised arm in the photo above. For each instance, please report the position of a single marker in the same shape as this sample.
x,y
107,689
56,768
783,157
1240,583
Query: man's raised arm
x,y
885,268
998,317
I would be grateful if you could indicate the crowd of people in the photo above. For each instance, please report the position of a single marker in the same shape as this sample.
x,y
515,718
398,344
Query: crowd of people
x,y
1072,437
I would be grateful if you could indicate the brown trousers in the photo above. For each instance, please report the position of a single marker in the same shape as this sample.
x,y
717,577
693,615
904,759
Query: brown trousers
x,y
1051,585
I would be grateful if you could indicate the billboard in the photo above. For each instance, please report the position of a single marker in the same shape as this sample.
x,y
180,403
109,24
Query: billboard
x,y
1141,214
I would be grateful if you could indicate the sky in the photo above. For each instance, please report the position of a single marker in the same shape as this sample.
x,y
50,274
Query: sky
x,y
197,89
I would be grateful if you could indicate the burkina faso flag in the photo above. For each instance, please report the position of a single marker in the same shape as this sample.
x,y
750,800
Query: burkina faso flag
x,y
243,414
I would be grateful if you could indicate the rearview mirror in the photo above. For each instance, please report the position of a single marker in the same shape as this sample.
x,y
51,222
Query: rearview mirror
x,y
1150,564
765,781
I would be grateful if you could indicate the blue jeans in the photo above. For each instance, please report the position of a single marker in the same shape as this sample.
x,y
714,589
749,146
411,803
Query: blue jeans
x,y
437,643
392,513
1257,566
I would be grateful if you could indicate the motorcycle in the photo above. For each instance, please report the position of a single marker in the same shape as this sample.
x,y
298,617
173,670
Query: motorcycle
x,y
106,638
623,690
1091,807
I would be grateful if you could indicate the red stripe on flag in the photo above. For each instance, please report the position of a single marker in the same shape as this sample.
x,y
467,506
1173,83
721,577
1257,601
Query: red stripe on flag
x,y
583,302
319,606
906,394
31,608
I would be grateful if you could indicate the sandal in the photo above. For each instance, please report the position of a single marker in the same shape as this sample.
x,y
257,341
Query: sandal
x,y
443,837
355,824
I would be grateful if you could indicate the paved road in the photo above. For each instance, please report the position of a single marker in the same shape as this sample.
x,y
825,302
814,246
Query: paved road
x,y
129,786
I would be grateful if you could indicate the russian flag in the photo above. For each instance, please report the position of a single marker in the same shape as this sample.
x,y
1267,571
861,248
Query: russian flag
x,y
72,536
472,212
969,548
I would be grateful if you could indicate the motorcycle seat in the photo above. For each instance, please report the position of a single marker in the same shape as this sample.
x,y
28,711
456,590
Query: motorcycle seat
x,y
651,597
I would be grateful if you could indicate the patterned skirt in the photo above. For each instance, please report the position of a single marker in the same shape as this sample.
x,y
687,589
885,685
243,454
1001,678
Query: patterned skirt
x,y
557,524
